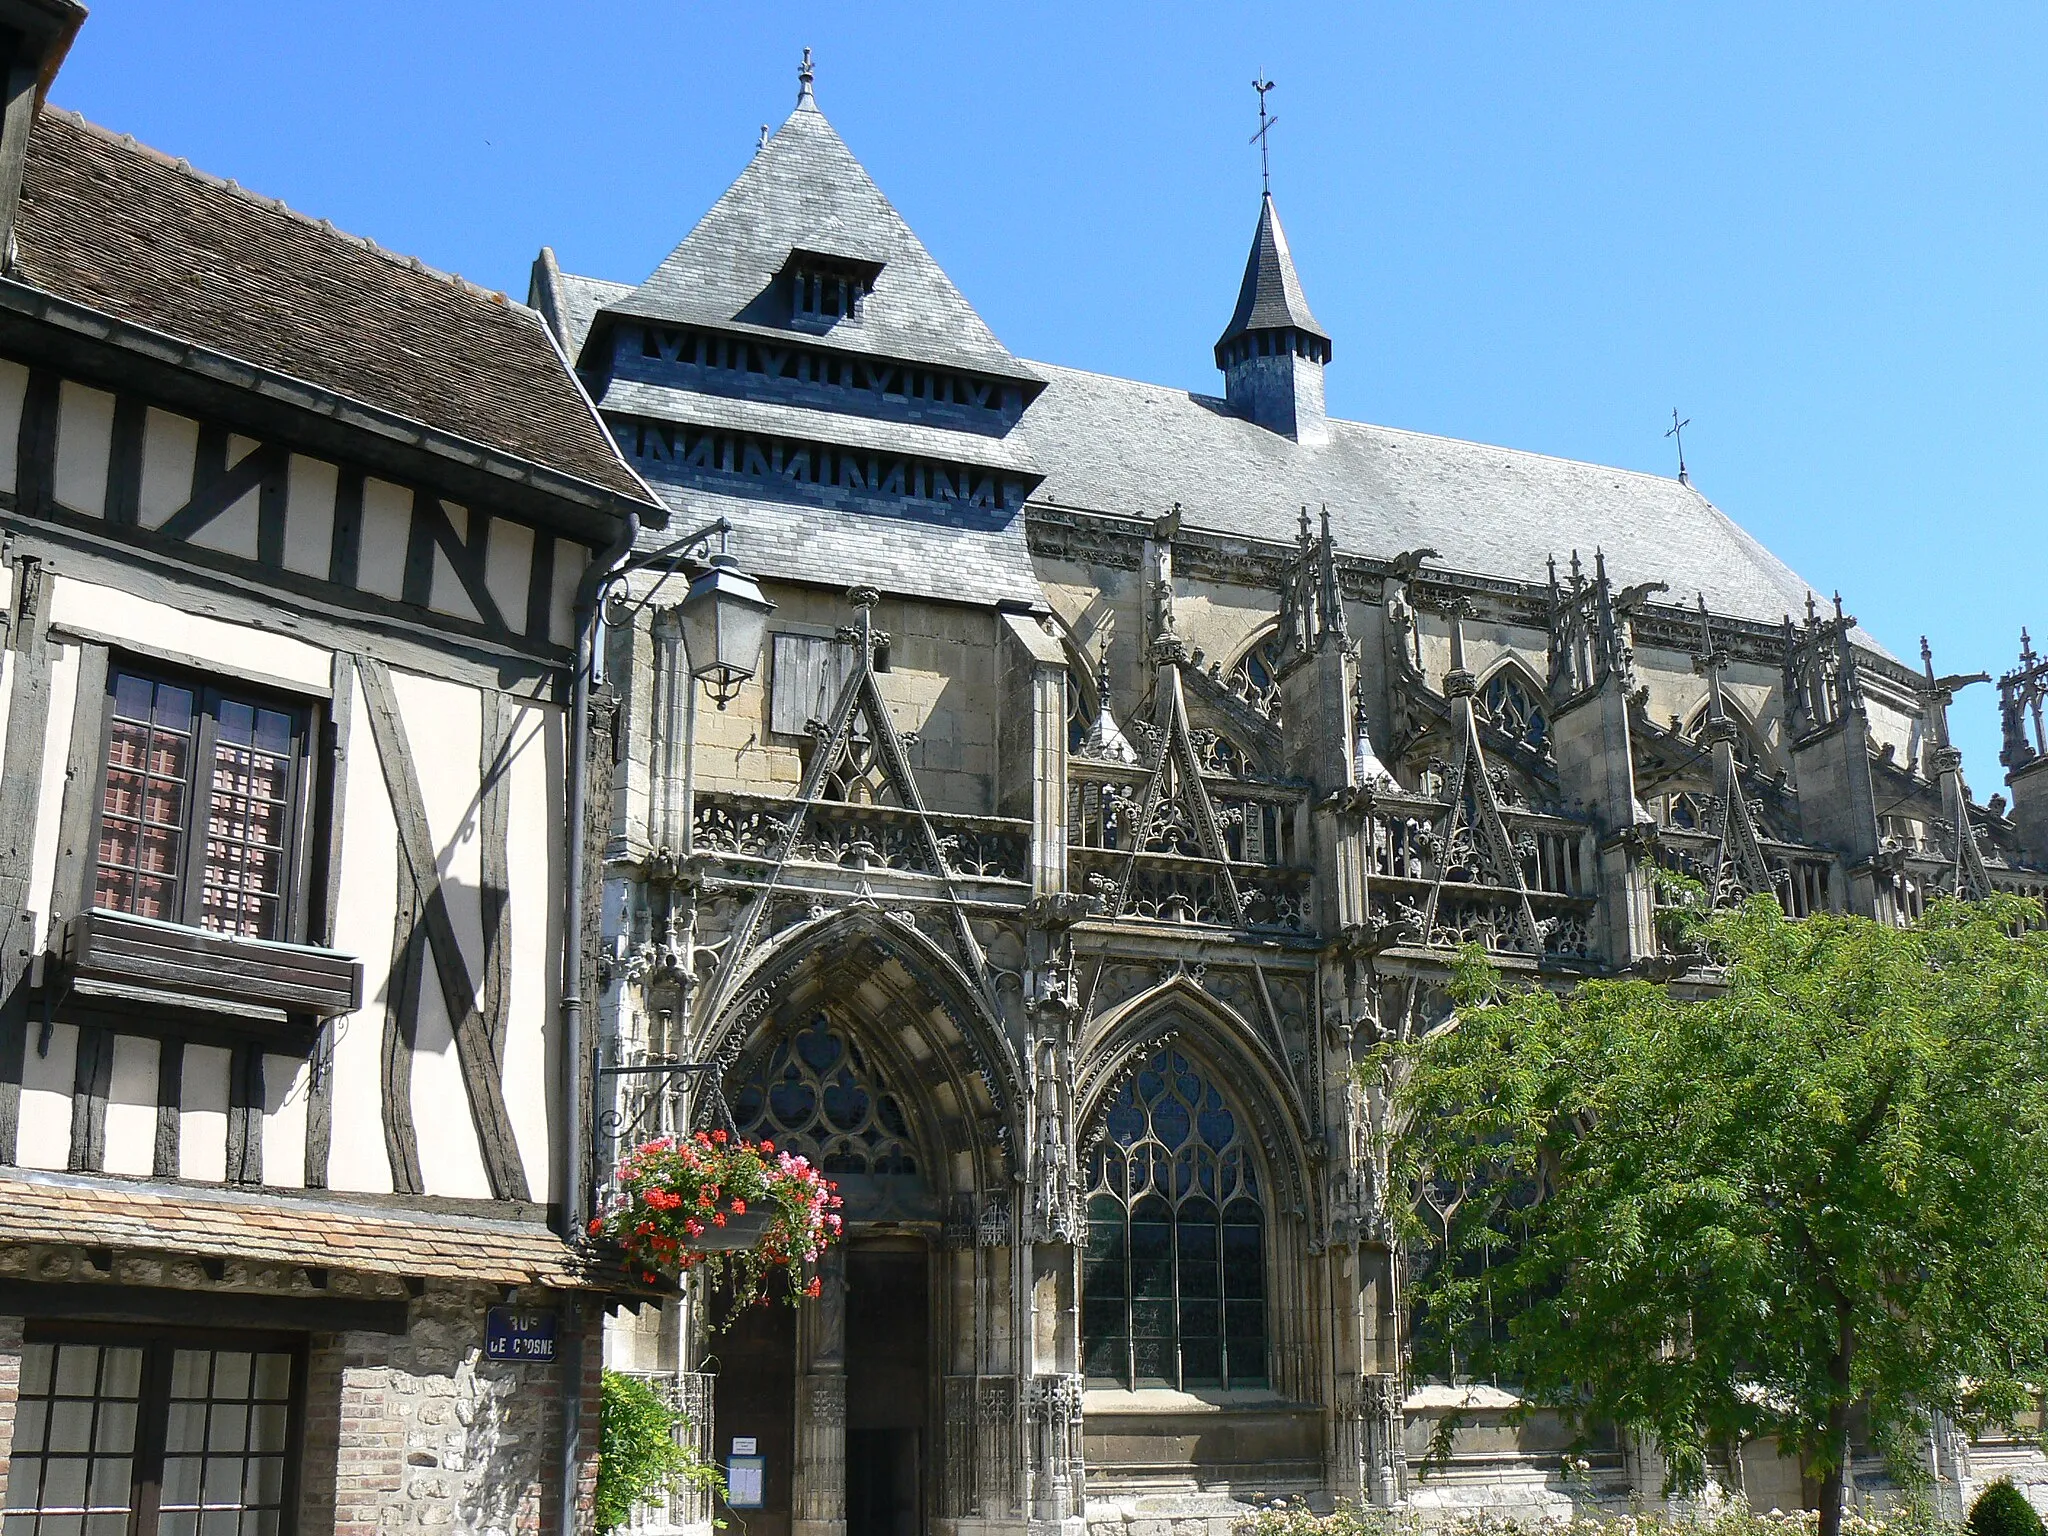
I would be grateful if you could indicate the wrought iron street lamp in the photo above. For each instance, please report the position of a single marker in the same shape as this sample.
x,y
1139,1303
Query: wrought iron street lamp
x,y
724,620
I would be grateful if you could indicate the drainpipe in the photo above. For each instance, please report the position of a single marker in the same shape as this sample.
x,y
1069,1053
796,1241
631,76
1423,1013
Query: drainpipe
x,y
589,597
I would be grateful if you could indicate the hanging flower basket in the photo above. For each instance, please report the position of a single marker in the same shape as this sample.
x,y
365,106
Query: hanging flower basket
x,y
738,1210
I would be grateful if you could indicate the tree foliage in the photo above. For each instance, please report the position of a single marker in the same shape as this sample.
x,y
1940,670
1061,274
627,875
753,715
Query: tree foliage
x,y
2002,1510
1819,1185
640,1455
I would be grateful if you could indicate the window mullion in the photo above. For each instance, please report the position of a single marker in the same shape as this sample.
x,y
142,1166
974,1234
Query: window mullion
x,y
199,807
151,1418
1180,1375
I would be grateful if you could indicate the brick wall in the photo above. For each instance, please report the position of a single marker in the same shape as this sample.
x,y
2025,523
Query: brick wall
x,y
10,1385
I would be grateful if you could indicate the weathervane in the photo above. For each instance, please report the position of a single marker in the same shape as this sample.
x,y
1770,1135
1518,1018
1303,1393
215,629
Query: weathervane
x,y
1677,433
1263,85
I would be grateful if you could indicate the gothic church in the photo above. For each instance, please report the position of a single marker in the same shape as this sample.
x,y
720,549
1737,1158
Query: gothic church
x,y
1125,762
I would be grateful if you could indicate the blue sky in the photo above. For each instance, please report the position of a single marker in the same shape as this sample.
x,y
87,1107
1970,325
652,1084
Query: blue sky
x,y
1819,231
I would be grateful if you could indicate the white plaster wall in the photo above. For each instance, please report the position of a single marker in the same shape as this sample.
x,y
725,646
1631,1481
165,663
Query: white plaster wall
x,y
56,747
46,1078
13,390
387,521
170,451
534,855
85,432
309,519
508,569
569,562
444,727
233,532
286,1081
203,1120
131,1106
363,922
447,592
208,642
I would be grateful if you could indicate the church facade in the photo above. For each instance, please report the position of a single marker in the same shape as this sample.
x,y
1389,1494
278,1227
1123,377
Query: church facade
x,y
1124,762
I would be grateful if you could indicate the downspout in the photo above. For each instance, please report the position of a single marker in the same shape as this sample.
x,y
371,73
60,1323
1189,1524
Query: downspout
x,y
589,591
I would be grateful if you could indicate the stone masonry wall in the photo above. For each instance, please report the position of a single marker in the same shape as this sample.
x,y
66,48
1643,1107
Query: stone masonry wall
x,y
421,1433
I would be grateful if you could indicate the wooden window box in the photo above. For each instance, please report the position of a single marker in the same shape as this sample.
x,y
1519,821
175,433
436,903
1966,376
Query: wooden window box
x,y
114,954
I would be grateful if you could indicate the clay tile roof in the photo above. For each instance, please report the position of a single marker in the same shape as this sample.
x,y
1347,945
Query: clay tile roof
x,y
119,228
278,1229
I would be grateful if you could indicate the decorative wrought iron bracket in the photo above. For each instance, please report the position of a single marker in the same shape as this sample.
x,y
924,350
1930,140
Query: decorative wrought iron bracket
x,y
614,1127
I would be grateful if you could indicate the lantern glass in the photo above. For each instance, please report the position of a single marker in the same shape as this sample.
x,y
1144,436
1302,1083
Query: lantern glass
x,y
724,620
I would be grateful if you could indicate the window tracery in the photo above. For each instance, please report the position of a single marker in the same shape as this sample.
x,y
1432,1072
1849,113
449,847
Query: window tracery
x,y
817,1092
1511,705
1255,675
1173,1284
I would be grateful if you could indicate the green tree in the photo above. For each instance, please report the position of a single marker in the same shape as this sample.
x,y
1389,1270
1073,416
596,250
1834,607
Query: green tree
x,y
640,1455
1746,1209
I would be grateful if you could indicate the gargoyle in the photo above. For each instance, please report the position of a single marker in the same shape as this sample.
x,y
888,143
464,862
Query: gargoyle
x,y
1403,567
1632,599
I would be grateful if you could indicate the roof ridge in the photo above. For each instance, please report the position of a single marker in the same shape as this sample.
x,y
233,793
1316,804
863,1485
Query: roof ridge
x,y
1374,426
178,163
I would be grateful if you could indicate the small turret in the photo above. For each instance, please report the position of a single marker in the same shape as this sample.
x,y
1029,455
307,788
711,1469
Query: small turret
x,y
1273,351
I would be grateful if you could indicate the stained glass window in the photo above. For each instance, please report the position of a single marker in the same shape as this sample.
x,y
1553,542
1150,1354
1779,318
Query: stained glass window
x,y
817,1092
1174,1284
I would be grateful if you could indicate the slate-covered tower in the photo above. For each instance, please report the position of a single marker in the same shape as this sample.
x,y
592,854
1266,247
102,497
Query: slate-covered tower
x,y
1273,352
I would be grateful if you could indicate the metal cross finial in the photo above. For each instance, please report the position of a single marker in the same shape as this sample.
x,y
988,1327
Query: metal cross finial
x,y
1263,85
1677,433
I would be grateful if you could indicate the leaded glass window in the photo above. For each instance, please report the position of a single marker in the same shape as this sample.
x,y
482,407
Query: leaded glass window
x,y
198,806
819,1093
123,1432
1174,1285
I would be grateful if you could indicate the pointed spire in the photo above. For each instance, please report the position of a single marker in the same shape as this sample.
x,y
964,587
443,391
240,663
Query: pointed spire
x,y
1270,297
804,76
1105,740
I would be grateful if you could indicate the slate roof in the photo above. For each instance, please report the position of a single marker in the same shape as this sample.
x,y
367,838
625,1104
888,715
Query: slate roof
x,y
1115,445
916,555
804,424
1270,297
121,229
569,302
805,191
278,1229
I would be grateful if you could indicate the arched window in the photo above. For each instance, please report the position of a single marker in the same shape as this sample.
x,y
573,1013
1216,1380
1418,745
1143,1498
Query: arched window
x,y
1513,709
1255,675
1173,1289
817,1093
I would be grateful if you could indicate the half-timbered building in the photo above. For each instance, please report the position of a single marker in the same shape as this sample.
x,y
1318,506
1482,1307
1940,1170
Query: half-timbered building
x,y
1125,762
297,543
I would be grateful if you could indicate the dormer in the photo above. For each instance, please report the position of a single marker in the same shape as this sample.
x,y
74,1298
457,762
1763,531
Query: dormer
x,y
827,290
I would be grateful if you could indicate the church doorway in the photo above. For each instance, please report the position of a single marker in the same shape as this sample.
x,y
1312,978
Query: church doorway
x,y
888,1401
754,1409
